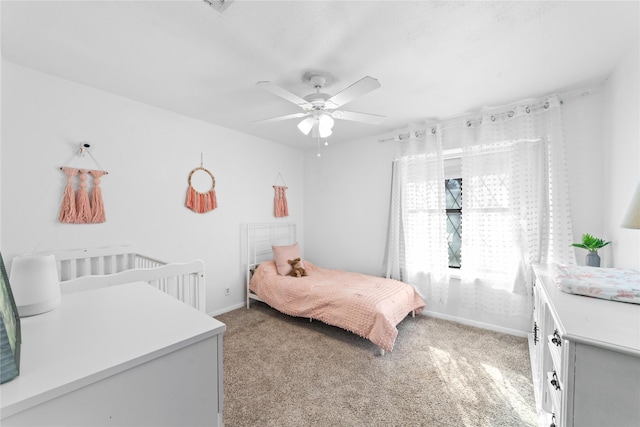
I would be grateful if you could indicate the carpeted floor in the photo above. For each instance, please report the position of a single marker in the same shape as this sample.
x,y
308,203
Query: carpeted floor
x,y
284,371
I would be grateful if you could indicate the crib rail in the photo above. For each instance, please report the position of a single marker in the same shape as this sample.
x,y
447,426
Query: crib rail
x,y
183,281
86,269
101,261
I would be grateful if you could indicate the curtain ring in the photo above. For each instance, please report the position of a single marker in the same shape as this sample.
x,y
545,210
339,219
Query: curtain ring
x,y
511,113
528,110
468,123
546,105
493,118
433,131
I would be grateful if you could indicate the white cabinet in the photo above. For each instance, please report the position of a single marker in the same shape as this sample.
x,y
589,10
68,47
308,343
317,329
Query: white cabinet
x,y
585,358
123,355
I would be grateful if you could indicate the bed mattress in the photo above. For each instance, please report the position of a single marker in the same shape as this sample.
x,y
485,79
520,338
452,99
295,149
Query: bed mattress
x,y
368,306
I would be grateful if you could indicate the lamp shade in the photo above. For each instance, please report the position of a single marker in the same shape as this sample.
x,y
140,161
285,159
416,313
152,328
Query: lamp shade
x,y
306,125
325,124
35,285
632,218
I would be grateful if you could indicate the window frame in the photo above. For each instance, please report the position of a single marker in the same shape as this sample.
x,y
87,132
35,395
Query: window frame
x,y
457,211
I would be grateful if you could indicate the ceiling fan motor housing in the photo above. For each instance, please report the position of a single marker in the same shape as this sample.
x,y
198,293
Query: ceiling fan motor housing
x,y
317,82
318,100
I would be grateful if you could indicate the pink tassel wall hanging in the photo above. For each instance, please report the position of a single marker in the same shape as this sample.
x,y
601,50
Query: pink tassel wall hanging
x,y
68,205
280,201
201,202
280,205
83,208
97,205
78,207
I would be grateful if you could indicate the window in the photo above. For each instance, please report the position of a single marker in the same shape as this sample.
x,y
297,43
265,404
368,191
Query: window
x,y
453,204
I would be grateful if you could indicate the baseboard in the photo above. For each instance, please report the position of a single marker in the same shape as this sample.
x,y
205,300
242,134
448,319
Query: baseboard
x,y
476,324
227,309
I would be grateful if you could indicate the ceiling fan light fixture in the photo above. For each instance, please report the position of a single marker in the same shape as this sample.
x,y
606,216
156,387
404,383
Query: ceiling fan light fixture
x,y
325,133
325,124
306,125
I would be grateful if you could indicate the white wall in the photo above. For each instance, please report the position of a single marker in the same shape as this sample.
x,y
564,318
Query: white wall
x,y
584,134
346,205
622,157
347,193
148,153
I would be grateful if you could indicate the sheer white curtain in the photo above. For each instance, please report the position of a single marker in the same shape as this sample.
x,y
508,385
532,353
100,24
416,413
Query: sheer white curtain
x,y
417,244
515,204
515,207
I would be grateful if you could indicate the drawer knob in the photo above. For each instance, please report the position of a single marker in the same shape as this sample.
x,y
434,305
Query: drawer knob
x,y
556,338
554,381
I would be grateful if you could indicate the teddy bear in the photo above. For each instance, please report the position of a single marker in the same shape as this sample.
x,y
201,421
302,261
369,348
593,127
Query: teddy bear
x,y
296,268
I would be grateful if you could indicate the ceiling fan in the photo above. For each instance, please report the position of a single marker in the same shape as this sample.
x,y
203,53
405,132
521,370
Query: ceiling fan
x,y
319,109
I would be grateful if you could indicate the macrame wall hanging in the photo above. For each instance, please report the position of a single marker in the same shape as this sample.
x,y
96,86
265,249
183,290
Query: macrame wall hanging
x,y
201,202
80,207
281,208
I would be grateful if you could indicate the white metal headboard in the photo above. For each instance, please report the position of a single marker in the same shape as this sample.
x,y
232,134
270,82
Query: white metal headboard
x,y
260,238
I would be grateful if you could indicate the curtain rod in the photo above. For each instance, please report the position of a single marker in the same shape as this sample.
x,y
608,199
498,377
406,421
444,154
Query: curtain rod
x,y
467,123
476,120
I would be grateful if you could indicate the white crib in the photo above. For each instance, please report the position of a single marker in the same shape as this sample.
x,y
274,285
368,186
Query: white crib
x,y
86,269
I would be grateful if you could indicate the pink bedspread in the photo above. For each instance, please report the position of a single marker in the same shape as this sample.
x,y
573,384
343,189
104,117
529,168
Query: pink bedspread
x,y
365,305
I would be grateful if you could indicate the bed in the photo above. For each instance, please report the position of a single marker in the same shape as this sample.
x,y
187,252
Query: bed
x,y
368,306
85,269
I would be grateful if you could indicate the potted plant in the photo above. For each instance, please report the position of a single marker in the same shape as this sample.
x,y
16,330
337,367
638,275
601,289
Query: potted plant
x,y
592,244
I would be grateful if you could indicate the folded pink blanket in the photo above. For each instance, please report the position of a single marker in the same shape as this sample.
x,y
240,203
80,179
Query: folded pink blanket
x,y
615,284
365,305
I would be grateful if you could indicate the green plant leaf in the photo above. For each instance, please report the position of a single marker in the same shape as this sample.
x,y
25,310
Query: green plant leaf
x,y
591,243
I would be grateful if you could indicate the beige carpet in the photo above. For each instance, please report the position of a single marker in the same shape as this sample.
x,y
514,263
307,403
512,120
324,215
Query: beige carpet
x,y
284,371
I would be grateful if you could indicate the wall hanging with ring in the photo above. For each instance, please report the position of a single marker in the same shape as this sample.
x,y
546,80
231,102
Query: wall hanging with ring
x,y
197,201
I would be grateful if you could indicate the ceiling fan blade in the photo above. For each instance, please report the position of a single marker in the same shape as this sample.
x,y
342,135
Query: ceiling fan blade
x,y
359,88
287,117
285,94
373,119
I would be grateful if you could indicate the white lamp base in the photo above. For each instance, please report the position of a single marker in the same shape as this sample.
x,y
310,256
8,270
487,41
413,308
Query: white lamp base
x,y
35,285
38,308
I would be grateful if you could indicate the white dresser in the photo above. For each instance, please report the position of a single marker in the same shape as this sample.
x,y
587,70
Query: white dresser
x,y
119,356
585,358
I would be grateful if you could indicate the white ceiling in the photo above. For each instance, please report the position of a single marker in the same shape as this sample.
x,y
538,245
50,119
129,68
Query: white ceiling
x,y
433,59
